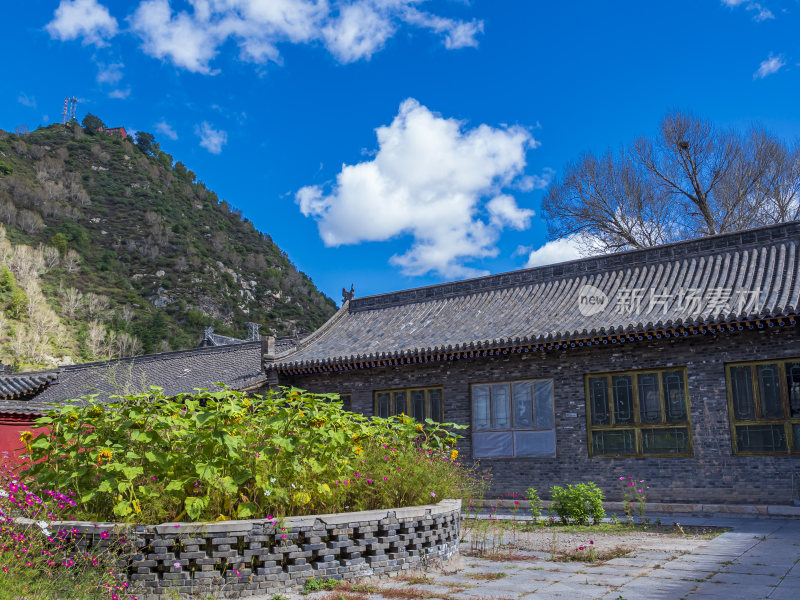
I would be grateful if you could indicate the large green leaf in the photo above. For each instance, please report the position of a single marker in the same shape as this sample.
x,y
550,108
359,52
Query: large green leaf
x,y
195,506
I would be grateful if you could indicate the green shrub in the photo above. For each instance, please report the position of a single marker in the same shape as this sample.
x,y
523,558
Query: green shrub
x,y
578,502
224,455
532,496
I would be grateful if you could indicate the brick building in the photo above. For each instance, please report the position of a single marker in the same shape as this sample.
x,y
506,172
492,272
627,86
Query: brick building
x,y
678,364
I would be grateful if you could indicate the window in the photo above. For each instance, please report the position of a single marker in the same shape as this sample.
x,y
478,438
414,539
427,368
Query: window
x,y
640,413
420,403
764,406
347,401
513,419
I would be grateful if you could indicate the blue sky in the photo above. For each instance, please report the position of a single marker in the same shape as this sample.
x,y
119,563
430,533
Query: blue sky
x,y
398,143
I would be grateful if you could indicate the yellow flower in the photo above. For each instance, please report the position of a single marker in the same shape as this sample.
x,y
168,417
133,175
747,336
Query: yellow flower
x,y
327,488
454,455
419,427
136,508
25,437
301,414
222,518
104,454
358,450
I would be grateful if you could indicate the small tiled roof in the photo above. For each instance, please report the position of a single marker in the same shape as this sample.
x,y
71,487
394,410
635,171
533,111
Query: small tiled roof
x,y
18,386
680,288
238,366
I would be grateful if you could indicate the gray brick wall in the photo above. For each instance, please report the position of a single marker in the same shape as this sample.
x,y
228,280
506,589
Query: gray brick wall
x,y
712,475
246,558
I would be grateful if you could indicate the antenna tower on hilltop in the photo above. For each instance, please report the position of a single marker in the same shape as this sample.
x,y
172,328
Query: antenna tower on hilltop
x,y
70,105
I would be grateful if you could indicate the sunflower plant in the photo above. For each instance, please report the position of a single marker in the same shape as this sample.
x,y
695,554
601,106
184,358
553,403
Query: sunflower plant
x,y
222,454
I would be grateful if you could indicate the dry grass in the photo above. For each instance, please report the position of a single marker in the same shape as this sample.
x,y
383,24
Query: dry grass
x,y
486,576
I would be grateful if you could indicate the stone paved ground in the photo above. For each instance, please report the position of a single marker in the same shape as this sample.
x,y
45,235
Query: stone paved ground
x,y
758,559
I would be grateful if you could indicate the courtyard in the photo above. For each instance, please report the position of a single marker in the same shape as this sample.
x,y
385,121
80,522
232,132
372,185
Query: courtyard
x,y
754,559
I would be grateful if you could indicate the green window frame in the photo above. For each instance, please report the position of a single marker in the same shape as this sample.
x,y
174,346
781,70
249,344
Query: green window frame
x,y
764,407
419,403
643,413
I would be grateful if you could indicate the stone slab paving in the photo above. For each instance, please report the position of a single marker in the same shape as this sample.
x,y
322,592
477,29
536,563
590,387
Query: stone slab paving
x,y
759,559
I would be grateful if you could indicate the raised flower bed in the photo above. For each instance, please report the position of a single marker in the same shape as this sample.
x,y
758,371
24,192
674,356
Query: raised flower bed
x,y
260,556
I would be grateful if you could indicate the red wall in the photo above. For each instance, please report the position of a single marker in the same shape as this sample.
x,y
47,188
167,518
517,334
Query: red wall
x,y
11,426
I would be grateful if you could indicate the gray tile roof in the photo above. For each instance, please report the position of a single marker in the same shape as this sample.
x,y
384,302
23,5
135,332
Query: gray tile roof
x,y
683,287
238,366
18,386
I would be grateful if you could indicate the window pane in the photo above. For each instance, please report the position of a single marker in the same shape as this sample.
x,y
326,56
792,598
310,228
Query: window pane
x,y
435,399
480,407
674,440
501,407
491,443
523,406
793,388
418,404
744,406
535,443
796,436
543,405
769,391
622,387
620,441
382,401
674,396
761,438
400,405
598,400
649,401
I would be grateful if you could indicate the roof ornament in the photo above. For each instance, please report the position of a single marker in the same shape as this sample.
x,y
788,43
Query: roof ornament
x,y
347,296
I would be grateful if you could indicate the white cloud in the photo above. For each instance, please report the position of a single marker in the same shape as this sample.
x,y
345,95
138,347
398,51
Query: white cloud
x,y
166,130
537,182
82,19
26,100
211,139
358,32
503,211
351,30
119,94
180,38
556,251
772,65
762,13
433,179
457,34
110,74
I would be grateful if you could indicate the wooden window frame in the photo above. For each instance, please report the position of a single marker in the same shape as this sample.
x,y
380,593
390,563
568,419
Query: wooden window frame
x,y
511,429
409,412
787,420
637,426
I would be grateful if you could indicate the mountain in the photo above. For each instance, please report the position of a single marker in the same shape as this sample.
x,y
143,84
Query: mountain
x,y
108,248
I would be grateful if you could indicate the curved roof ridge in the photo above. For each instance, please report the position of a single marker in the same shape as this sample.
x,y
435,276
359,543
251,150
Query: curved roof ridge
x,y
695,247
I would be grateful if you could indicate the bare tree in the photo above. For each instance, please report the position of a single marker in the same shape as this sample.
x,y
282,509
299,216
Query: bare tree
x,y
127,345
50,255
96,305
29,221
71,261
96,336
71,301
126,313
691,179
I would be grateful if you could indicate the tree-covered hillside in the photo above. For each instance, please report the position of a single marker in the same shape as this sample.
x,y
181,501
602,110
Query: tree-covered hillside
x,y
110,249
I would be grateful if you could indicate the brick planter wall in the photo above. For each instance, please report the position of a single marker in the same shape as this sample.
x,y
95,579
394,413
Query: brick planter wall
x,y
340,546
